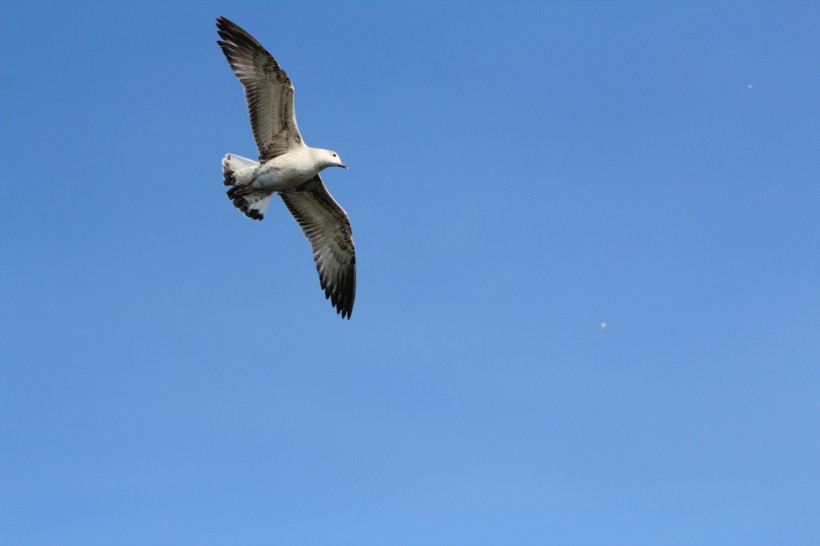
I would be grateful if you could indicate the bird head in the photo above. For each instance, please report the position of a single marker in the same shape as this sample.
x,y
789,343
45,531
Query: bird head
x,y
332,159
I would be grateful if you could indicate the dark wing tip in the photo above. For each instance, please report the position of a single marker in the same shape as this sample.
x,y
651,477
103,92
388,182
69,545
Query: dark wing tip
x,y
340,286
223,23
341,291
231,32
225,26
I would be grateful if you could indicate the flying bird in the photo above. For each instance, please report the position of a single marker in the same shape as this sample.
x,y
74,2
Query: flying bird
x,y
287,166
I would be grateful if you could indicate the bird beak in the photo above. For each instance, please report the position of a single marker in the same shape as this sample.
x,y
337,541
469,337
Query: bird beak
x,y
344,166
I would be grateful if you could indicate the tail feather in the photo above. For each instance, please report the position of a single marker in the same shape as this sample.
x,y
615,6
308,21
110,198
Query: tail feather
x,y
252,202
232,164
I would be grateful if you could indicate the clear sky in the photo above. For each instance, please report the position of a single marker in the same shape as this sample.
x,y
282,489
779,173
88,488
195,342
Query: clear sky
x,y
171,373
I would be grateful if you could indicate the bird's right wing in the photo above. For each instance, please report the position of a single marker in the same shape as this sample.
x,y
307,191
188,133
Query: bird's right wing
x,y
268,90
327,227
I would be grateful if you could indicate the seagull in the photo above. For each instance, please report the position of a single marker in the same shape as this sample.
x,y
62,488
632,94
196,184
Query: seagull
x,y
287,166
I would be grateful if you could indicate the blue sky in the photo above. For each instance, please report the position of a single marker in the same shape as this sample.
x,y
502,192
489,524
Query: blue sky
x,y
520,174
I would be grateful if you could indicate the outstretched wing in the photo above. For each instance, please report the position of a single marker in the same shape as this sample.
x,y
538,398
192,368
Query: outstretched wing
x,y
268,90
326,226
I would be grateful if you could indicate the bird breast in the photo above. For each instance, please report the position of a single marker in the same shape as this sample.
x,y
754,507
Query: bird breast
x,y
285,172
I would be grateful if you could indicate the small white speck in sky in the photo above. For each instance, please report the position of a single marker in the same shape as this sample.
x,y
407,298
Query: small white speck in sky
x,y
603,326
749,86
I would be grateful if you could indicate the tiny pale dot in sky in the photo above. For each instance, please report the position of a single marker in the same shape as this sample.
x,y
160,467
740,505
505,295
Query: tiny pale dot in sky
x,y
750,86
603,326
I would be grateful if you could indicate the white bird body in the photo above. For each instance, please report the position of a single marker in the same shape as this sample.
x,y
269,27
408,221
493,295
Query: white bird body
x,y
283,172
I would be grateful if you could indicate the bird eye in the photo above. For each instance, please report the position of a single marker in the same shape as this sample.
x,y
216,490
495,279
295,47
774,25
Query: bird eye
x,y
334,155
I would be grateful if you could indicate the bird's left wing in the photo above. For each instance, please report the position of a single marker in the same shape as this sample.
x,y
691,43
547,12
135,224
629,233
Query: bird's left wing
x,y
327,227
268,90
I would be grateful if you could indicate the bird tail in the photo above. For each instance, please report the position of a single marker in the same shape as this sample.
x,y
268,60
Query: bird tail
x,y
238,173
253,203
232,169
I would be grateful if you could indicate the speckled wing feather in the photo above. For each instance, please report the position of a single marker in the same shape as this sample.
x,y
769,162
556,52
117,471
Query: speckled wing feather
x,y
326,226
268,90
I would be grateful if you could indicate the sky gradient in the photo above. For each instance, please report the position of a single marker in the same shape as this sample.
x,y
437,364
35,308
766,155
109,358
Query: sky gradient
x,y
171,374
